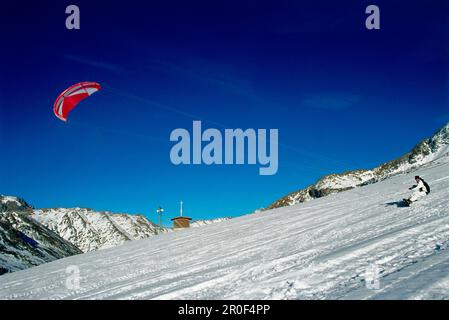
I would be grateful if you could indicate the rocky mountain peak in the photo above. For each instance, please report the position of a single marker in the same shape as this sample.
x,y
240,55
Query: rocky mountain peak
x,y
10,203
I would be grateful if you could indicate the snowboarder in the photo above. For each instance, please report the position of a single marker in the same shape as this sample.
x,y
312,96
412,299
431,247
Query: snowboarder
x,y
421,189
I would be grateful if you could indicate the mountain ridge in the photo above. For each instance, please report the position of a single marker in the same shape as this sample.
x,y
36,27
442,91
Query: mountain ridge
x,y
92,230
422,153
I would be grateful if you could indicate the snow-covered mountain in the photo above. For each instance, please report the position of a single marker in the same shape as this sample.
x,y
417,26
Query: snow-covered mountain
x,y
85,229
8,204
29,237
336,247
424,152
91,230
23,241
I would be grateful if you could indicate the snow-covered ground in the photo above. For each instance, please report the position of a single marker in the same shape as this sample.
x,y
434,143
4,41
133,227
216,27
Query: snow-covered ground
x,y
322,249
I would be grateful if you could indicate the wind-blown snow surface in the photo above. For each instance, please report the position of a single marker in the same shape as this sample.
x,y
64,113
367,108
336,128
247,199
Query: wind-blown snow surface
x,y
315,250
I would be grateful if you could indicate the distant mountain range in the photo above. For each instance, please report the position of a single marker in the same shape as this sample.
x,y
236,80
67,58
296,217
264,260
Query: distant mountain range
x,y
29,237
91,230
424,152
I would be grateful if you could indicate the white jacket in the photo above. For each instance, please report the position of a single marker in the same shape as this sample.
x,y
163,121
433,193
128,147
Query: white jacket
x,y
421,186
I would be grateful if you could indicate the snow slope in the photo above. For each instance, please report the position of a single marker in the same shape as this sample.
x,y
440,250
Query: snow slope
x,y
315,250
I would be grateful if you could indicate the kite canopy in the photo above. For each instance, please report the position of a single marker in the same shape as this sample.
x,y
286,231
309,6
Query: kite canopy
x,y
72,96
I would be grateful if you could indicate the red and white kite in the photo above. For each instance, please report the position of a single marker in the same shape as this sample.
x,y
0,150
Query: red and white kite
x,y
72,96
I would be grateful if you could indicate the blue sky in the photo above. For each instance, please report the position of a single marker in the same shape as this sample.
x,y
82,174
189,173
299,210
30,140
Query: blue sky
x,y
341,96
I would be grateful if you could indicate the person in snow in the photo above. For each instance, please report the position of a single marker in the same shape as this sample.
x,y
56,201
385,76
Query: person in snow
x,y
421,189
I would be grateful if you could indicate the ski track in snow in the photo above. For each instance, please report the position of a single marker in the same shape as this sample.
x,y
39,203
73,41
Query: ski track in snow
x,y
315,250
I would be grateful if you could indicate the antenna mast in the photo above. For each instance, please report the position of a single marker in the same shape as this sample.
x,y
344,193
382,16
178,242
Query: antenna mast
x,y
159,212
180,211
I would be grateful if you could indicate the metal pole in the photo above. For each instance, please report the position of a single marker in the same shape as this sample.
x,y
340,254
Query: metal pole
x,y
159,212
181,209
